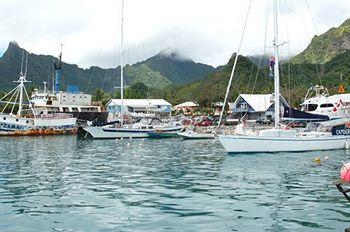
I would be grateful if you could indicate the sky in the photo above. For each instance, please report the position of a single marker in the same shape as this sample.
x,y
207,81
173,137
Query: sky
x,y
206,31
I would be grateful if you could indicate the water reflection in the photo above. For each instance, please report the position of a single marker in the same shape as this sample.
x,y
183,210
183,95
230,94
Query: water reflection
x,y
63,183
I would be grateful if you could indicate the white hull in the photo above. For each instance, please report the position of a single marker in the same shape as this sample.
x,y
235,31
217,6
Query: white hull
x,y
114,133
240,144
187,135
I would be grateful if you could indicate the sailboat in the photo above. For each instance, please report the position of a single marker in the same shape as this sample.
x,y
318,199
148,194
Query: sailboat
x,y
334,134
26,121
137,130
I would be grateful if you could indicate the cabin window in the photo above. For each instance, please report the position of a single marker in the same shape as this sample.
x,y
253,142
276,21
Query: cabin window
x,y
311,107
27,121
4,118
16,119
326,105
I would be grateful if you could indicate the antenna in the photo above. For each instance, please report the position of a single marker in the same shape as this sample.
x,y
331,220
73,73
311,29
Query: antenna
x,y
22,63
26,68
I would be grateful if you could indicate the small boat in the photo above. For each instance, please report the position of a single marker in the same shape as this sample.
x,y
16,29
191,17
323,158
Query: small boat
x,y
162,134
190,134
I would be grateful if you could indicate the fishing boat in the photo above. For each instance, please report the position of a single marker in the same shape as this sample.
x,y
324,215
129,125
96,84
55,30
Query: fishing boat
x,y
319,101
334,134
26,121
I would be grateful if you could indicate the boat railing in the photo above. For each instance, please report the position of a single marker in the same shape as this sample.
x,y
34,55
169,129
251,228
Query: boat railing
x,y
55,115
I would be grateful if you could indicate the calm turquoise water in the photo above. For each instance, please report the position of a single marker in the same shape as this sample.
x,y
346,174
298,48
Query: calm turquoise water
x,y
67,184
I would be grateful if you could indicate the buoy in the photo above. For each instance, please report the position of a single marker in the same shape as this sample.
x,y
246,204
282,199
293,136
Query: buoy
x,y
142,140
128,145
121,138
317,160
347,144
130,138
326,157
116,139
345,172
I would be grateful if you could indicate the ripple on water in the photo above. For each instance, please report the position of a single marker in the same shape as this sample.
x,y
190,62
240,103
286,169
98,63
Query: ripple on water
x,y
66,184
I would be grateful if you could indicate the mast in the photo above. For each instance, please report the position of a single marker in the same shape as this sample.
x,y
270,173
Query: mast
x,y
121,64
21,87
276,71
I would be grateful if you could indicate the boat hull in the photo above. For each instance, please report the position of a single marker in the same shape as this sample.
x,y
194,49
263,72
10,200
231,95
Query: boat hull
x,y
39,132
114,133
187,136
254,144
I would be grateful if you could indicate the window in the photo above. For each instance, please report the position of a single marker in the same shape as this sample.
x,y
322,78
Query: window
x,y
327,105
4,118
311,107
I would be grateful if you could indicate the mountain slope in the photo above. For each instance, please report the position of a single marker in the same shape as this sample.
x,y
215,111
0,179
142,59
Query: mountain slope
x,y
325,47
156,72
177,69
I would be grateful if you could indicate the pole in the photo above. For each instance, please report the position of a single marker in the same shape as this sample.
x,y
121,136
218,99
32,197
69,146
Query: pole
x,y
121,65
276,70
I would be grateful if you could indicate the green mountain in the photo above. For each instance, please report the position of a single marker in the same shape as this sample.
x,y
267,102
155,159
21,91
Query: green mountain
x,y
177,69
159,71
295,79
325,47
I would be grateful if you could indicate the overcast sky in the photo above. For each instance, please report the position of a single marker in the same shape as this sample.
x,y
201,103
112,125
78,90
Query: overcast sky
x,y
206,31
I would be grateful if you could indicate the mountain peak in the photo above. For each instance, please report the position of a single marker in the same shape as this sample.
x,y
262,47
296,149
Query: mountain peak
x,y
325,47
172,54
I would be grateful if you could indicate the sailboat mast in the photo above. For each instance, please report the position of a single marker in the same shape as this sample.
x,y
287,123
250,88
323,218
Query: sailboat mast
x,y
121,64
276,70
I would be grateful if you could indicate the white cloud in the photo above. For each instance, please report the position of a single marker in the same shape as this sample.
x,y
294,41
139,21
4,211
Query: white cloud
x,y
207,31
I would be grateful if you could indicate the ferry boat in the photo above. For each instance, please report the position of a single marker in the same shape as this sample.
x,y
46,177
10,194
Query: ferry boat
x,y
78,104
26,121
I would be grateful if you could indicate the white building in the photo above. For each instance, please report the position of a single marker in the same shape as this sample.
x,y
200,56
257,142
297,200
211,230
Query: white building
x,y
255,107
159,107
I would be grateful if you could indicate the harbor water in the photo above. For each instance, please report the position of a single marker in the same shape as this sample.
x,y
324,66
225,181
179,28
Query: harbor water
x,y
63,183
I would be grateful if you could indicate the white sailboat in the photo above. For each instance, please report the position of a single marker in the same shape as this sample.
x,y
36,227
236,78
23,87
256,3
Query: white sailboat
x,y
329,135
137,130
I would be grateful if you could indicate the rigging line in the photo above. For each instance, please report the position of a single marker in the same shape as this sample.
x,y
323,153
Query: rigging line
x,y
13,106
250,74
30,105
267,14
8,93
313,57
16,92
234,66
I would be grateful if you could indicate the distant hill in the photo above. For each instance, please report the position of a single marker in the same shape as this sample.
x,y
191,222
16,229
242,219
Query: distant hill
x,y
159,71
325,47
177,69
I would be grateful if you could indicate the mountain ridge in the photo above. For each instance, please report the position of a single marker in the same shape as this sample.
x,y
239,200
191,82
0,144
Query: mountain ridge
x,y
88,79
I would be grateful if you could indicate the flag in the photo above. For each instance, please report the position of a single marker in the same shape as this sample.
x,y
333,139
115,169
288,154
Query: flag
x,y
338,105
271,65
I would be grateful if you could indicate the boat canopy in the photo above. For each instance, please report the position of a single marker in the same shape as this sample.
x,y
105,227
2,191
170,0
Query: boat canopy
x,y
291,114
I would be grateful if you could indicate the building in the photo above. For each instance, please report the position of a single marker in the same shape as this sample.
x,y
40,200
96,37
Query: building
x,y
255,107
160,107
186,107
